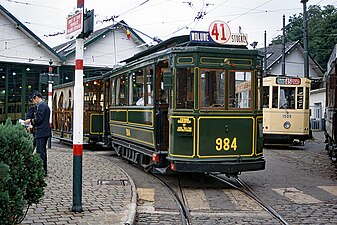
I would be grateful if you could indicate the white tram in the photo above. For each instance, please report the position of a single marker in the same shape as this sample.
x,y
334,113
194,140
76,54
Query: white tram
x,y
286,113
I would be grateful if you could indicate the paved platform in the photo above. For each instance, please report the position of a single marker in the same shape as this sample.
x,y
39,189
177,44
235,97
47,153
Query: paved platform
x,y
108,193
318,135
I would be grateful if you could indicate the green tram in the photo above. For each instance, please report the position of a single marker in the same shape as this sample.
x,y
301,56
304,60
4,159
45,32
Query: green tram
x,y
187,107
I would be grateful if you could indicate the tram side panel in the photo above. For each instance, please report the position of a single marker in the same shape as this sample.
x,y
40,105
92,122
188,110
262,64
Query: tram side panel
x,y
285,123
331,113
216,143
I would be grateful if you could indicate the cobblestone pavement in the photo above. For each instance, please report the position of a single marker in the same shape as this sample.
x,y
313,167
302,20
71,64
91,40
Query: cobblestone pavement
x,y
108,193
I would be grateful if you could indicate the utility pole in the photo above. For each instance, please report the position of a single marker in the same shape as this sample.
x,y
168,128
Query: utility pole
x,y
284,47
78,120
305,39
84,24
265,55
50,97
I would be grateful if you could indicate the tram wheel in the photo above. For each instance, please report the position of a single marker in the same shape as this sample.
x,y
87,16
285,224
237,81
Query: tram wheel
x,y
119,150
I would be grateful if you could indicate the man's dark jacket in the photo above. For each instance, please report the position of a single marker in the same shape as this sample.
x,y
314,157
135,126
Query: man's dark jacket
x,y
41,121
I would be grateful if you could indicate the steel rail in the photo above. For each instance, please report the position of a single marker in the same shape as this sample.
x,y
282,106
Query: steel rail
x,y
248,191
184,213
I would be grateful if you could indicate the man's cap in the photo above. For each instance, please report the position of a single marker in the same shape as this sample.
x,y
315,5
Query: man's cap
x,y
33,94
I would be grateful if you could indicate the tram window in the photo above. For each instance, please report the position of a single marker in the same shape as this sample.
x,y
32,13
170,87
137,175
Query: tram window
x,y
266,97
240,92
259,91
121,90
149,86
112,99
212,88
287,98
136,88
275,97
300,98
185,87
307,93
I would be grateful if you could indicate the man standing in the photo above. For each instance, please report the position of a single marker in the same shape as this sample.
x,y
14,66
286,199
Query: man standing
x,y
42,127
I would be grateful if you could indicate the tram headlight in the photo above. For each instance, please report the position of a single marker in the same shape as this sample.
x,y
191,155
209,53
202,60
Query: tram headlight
x,y
287,125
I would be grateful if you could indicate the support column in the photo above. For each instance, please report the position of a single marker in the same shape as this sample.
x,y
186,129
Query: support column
x,y
23,92
50,97
78,127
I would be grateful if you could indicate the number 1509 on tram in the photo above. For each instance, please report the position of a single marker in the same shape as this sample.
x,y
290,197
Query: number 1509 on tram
x,y
183,106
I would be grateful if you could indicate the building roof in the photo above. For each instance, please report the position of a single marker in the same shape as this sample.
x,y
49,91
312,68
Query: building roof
x,y
67,49
26,31
274,55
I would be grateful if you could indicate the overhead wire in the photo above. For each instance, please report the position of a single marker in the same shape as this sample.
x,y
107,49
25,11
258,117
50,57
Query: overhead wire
x,y
250,11
32,4
190,25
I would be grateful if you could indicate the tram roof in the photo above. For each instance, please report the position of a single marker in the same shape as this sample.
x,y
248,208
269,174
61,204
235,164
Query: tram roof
x,y
183,40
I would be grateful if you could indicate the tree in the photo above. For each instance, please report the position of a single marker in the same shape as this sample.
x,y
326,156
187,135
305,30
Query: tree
x,y
21,173
322,32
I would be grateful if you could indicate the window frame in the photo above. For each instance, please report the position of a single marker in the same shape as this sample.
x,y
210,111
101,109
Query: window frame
x,y
252,88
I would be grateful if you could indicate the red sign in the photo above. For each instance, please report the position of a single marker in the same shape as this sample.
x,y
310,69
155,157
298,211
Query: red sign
x,y
288,81
74,24
220,32
80,3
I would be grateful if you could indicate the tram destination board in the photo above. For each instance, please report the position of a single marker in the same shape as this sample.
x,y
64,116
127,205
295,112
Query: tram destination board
x,y
288,81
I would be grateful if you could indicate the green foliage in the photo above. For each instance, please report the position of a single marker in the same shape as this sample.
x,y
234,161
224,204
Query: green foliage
x,y
21,173
322,32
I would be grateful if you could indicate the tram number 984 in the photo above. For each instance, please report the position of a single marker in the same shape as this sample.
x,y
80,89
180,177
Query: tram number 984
x,y
225,144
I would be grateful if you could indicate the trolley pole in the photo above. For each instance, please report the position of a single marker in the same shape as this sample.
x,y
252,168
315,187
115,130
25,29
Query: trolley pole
x,y
305,39
50,97
78,121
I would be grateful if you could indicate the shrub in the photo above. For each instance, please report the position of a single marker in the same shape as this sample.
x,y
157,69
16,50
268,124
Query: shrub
x,y
21,173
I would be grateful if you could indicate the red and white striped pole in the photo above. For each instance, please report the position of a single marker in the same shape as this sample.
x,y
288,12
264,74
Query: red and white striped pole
x,y
50,97
78,122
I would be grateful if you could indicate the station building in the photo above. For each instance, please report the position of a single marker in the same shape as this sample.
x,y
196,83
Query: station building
x,y
25,60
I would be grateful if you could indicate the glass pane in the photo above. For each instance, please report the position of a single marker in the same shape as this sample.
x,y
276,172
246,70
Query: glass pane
x,y
307,93
266,97
149,85
136,88
121,90
240,93
185,87
275,97
287,98
113,92
300,98
259,91
212,88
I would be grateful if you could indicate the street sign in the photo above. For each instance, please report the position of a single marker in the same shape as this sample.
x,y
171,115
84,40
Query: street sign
x,y
46,78
74,24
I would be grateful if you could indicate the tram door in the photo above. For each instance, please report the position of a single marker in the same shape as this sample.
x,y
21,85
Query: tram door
x,y
162,104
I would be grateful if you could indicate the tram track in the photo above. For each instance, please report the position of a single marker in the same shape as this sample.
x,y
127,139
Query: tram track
x,y
249,192
177,192
183,210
